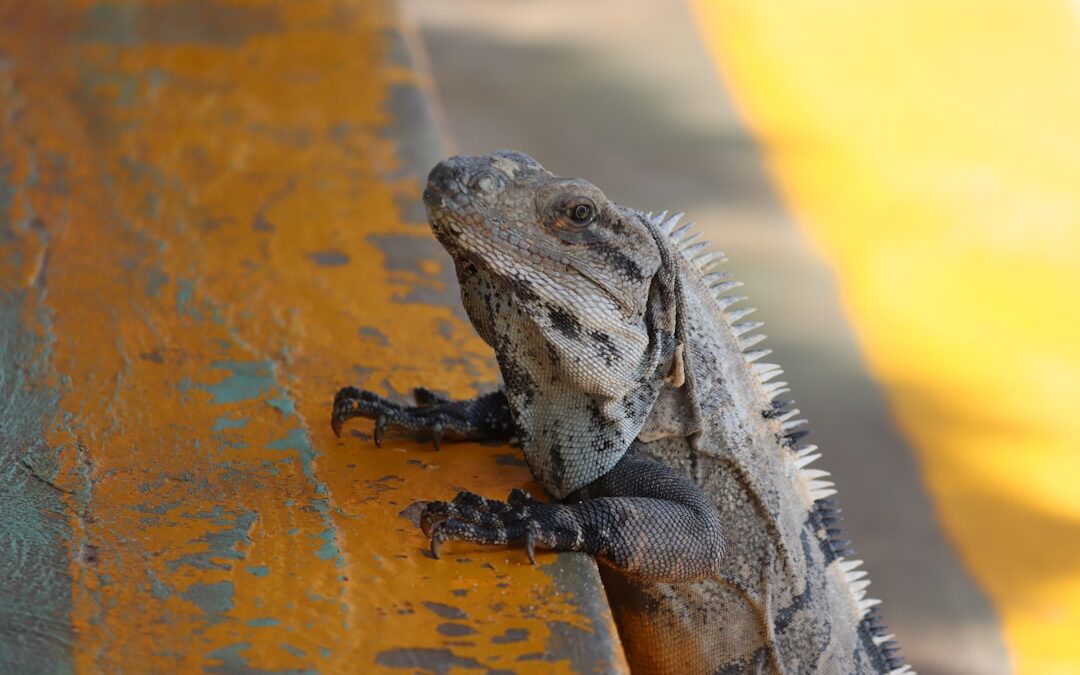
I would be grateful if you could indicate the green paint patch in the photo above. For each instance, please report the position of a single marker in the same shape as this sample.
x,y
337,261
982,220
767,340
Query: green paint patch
x,y
155,280
247,380
7,196
329,549
282,404
181,23
221,546
297,439
315,597
232,659
259,570
223,423
185,294
329,258
158,589
263,622
35,606
212,599
295,651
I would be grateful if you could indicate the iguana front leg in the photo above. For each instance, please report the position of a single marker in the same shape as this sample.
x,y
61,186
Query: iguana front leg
x,y
642,518
483,418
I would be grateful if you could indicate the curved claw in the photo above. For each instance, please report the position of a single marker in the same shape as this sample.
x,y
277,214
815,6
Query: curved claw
x,y
427,416
530,545
437,539
380,427
345,407
433,514
472,518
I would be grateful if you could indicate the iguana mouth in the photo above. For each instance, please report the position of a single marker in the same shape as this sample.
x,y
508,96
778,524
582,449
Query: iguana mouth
x,y
449,230
431,193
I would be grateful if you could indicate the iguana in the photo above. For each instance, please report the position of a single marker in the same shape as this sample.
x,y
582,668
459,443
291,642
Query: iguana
x,y
637,392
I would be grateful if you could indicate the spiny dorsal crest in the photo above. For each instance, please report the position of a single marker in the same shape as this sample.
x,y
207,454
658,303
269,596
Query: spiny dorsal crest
x,y
818,491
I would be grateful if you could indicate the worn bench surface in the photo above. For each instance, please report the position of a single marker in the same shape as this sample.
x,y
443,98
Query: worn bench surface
x,y
209,221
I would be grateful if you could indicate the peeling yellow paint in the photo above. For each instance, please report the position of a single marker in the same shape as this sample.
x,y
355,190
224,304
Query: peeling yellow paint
x,y
932,152
215,178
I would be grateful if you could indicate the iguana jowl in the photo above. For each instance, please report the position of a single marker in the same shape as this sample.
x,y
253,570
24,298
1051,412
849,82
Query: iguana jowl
x,y
637,393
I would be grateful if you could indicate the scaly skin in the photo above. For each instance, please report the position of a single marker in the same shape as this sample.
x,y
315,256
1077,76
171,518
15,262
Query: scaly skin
x,y
638,402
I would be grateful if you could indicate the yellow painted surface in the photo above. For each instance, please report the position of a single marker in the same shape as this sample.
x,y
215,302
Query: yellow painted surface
x,y
932,151
202,190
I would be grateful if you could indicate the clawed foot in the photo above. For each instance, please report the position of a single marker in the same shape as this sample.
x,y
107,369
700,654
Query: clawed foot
x,y
470,517
352,402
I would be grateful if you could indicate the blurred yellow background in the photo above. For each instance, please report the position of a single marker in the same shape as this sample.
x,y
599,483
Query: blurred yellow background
x,y
932,151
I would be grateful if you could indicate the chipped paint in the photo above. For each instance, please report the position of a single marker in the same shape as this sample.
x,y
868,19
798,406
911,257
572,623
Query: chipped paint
x,y
224,230
33,529
329,258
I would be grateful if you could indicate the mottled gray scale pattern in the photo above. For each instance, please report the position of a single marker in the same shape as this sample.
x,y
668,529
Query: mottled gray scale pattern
x,y
557,282
635,404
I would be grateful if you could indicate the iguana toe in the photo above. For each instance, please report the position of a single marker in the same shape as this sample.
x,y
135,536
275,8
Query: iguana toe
x,y
457,530
351,402
380,427
471,508
470,517
485,417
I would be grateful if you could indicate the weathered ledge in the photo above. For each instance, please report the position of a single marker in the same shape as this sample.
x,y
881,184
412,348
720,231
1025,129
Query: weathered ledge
x,y
210,221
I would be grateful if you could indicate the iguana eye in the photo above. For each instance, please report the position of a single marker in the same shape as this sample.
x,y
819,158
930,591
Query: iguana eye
x,y
581,212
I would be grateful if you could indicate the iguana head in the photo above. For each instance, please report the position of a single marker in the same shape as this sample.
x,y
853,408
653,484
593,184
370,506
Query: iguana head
x,y
570,290
561,236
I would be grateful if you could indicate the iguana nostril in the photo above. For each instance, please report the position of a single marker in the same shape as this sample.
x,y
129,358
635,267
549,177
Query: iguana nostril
x,y
442,176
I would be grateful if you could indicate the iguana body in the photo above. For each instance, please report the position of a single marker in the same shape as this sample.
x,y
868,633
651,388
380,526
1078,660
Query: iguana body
x,y
640,403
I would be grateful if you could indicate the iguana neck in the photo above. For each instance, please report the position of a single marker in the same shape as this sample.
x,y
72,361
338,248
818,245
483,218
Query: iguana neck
x,y
573,428
716,399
